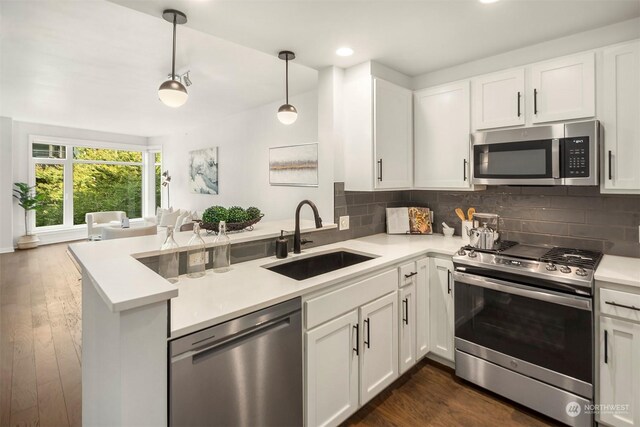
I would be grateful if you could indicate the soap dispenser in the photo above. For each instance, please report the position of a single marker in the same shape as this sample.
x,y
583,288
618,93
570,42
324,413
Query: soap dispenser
x,y
282,246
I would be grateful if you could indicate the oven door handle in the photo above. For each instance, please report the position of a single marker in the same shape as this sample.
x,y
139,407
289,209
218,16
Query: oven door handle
x,y
524,291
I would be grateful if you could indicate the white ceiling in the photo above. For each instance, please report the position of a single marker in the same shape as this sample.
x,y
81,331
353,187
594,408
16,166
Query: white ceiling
x,y
94,64
413,37
97,65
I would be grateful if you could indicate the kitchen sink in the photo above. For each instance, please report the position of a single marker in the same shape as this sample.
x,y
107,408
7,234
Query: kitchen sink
x,y
315,265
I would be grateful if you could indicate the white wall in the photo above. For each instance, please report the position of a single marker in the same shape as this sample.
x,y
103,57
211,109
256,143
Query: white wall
x,y
6,186
243,142
599,37
21,155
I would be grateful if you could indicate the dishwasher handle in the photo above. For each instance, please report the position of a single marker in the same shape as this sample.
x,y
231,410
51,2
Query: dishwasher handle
x,y
235,339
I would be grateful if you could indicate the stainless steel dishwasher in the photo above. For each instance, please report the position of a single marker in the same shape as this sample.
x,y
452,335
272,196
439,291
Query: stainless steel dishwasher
x,y
245,372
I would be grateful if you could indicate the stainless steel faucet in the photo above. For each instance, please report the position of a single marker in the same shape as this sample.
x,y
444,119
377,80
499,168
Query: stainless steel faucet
x,y
297,243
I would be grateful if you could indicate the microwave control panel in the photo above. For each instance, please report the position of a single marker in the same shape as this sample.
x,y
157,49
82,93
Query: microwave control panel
x,y
576,157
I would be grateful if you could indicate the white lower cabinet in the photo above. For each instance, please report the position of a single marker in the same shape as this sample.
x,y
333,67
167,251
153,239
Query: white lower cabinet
x,y
350,357
619,372
407,334
422,308
379,339
441,308
332,371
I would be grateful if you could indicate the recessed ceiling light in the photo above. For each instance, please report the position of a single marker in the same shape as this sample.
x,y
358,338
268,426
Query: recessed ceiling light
x,y
344,51
488,1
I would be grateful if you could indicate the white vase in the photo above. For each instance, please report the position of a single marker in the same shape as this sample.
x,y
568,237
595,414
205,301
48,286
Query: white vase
x,y
28,242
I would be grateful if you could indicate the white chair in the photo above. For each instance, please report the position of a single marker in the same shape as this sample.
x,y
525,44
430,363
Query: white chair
x,y
96,221
115,232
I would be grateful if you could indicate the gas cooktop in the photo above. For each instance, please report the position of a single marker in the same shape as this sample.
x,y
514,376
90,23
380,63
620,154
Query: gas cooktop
x,y
551,264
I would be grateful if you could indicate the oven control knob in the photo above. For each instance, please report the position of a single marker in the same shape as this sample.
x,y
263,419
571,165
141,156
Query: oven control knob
x,y
565,269
551,267
462,252
581,272
472,254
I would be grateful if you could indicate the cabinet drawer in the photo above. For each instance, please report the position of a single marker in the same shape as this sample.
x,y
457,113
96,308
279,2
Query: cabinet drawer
x,y
406,273
620,304
327,306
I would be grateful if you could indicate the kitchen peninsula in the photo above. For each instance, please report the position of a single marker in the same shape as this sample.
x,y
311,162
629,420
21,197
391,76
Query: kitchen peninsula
x,y
130,313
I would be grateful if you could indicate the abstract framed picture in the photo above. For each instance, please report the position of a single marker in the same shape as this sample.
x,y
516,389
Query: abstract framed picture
x,y
294,165
203,171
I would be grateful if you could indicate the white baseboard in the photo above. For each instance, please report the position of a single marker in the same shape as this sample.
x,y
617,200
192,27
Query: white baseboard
x,y
6,250
59,236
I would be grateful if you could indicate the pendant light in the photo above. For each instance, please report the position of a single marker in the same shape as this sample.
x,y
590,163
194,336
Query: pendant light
x,y
172,92
287,113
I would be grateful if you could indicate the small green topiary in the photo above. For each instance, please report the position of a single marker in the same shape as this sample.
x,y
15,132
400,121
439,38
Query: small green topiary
x,y
215,214
253,213
237,214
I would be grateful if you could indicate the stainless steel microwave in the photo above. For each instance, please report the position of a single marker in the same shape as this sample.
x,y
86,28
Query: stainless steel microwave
x,y
559,154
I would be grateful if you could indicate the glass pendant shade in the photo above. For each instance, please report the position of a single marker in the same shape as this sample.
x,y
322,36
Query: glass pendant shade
x,y
173,93
287,114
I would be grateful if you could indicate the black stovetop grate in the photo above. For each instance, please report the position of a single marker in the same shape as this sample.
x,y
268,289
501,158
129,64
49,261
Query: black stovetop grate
x,y
573,257
501,245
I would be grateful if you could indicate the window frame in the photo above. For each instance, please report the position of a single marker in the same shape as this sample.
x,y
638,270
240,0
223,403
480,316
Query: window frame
x,y
69,161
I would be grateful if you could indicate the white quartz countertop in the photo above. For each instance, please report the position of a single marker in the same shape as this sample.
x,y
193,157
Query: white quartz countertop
x,y
619,269
218,297
125,283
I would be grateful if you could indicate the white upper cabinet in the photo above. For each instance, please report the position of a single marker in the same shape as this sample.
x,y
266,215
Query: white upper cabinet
x,y
621,117
392,135
563,89
378,130
441,145
498,99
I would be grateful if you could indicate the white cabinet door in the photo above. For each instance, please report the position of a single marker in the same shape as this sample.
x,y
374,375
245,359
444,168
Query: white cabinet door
x,y
563,89
379,345
332,371
441,146
441,308
620,371
393,136
407,333
498,99
422,308
621,117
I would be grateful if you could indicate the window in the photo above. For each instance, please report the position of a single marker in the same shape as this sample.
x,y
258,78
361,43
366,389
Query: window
x,y
76,179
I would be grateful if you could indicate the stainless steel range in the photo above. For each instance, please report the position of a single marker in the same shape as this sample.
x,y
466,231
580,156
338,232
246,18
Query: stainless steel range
x,y
524,325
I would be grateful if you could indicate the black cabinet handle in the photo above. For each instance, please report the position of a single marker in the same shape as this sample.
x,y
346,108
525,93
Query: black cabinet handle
x,y
380,170
410,274
368,340
519,103
448,281
357,347
464,170
610,173
535,101
606,345
405,317
615,304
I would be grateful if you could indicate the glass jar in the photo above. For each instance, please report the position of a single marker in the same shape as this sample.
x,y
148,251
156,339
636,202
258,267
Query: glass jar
x,y
196,255
222,250
169,258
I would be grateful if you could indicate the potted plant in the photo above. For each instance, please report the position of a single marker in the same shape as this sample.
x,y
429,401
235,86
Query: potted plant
x,y
28,201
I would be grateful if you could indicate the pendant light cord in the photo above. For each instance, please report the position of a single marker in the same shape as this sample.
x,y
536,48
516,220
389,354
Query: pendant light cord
x,y
287,78
173,57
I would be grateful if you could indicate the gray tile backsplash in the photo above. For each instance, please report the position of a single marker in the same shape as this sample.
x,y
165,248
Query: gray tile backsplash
x,y
578,217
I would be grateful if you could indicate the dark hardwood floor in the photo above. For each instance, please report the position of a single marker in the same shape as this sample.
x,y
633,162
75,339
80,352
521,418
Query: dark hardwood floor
x,y
431,395
40,348
40,338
